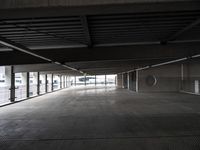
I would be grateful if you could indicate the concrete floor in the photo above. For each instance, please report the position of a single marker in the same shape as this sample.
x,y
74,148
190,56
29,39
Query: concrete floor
x,y
102,119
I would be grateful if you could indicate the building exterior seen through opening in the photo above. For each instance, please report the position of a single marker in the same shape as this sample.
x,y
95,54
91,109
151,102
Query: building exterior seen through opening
x,y
100,74
31,84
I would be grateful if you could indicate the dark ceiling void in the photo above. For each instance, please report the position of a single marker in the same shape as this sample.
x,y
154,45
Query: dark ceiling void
x,y
102,39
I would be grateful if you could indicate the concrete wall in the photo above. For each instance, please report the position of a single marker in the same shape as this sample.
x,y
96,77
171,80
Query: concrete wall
x,y
125,80
167,79
191,76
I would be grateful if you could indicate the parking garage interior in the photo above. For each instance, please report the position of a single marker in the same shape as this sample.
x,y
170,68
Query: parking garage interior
x,y
93,75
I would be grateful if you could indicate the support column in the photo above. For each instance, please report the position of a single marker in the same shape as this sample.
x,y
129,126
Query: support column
x,y
128,81
38,83
63,81
85,80
182,76
52,82
66,81
95,80
137,81
27,84
125,80
105,80
75,80
10,81
119,81
60,81
131,80
46,82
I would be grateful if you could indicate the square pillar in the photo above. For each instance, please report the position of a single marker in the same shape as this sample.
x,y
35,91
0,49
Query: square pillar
x,y
38,83
137,81
66,81
10,81
95,80
105,80
85,80
60,81
46,82
125,80
63,81
52,83
75,80
119,81
27,84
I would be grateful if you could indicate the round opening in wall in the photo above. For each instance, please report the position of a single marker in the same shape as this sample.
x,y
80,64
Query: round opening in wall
x,y
151,80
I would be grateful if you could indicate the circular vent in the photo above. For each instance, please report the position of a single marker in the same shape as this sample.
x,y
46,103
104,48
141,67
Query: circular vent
x,y
151,80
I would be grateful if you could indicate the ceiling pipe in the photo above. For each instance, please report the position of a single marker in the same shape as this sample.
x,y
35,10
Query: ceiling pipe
x,y
164,63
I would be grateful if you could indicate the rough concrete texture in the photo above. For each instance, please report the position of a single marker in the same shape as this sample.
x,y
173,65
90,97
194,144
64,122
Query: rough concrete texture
x,y
168,79
190,73
102,119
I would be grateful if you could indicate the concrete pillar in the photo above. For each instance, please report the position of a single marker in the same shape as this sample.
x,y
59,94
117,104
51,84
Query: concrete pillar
x,y
60,81
125,81
75,80
66,82
38,83
52,82
95,80
119,81
105,80
85,80
46,82
63,81
128,81
27,84
196,87
137,81
132,81
182,77
10,81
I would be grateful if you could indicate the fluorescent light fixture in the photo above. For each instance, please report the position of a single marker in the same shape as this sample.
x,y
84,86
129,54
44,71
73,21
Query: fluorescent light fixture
x,y
57,63
170,62
196,56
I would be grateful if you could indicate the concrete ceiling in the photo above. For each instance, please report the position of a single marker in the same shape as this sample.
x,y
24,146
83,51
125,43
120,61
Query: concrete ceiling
x,y
98,37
